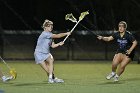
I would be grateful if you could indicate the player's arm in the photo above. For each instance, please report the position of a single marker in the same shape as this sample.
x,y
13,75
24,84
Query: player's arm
x,y
57,44
109,38
60,35
134,44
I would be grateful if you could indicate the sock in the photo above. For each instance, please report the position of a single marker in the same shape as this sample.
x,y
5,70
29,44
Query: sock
x,y
113,73
116,75
50,75
53,77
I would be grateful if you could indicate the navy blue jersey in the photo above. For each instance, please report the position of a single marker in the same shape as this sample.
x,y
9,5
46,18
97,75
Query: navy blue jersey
x,y
125,42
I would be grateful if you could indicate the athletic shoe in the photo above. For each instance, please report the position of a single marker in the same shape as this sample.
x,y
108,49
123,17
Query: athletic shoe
x,y
57,80
111,75
50,80
4,78
116,78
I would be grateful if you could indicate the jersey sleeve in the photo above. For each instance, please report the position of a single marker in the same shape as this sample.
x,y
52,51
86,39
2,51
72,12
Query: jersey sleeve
x,y
131,37
114,35
48,35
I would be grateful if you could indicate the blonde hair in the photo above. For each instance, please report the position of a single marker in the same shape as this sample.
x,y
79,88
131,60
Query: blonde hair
x,y
124,23
46,23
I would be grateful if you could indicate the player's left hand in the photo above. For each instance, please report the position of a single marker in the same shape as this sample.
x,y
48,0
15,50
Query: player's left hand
x,y
61,43
128,52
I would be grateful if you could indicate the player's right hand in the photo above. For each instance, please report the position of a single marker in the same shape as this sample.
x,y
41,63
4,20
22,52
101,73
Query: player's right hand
x,y
68,33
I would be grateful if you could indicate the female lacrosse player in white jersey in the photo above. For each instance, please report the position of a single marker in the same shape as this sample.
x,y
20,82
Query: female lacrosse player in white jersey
x,y
125,51
42,53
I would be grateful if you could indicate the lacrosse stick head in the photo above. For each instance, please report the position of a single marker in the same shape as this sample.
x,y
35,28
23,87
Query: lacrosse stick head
x,y
70,17
83,14
13,73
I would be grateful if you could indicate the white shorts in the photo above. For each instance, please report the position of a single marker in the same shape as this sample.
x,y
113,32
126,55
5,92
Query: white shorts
x,y
41,57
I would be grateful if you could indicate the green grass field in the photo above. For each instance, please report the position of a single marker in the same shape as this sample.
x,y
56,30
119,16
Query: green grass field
x,y
80,77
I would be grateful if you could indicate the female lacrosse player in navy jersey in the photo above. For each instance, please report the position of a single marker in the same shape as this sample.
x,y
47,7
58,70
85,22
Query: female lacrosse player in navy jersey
x,y
125,51
42,53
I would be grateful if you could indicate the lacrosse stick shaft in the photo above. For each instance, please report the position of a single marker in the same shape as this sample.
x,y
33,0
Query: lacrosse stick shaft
x,y
71,30
5,63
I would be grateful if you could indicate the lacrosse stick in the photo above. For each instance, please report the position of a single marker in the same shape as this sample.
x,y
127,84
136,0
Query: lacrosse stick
x,y
12,70
73,19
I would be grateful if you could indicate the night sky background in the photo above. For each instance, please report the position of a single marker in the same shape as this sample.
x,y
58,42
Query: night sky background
x,y
104,14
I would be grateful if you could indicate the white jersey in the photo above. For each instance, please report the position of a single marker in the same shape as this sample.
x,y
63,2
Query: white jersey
x,y
44,42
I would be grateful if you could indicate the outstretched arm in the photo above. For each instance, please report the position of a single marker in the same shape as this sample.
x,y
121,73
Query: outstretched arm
x,y
60,35
109,38
57,44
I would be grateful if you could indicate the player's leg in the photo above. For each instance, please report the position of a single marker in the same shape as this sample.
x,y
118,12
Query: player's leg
x,y
116,60
47,64
45,67
40,59
126,60
123,64
50,61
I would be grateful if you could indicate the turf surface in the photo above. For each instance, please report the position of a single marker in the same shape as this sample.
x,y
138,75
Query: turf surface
x,y
80,77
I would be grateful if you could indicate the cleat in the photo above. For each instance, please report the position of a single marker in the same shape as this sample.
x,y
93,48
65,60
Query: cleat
x,y
50,80
57,80
111,75
116,78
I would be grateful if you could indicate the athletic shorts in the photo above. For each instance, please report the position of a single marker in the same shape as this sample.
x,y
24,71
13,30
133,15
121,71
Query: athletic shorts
x,y
131,56
41,57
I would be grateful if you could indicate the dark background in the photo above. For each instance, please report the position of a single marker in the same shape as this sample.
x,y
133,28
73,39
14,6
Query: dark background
x,y
104,14
21,21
